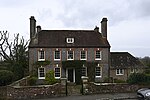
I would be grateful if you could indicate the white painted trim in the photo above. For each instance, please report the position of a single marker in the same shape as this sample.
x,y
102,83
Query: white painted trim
x,y
73,55
100,55
60,73
74,78
85,55
39,73
119,72
85,71
40,54
70,40
54,56
100,72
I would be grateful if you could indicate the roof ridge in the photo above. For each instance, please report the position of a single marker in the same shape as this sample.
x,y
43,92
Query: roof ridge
x,y
69,30
119,52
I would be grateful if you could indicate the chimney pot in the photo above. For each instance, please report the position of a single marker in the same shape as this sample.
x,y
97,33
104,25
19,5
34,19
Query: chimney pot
x,y
96,29
38,28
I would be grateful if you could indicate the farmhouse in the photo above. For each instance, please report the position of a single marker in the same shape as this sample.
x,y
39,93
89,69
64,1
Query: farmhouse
x,y
76,53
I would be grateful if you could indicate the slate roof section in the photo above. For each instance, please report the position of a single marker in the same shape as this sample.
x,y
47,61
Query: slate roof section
x,y
82,38
124,60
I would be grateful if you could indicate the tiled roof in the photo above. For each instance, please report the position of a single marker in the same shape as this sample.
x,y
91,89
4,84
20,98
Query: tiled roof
x,y
82,38
124,60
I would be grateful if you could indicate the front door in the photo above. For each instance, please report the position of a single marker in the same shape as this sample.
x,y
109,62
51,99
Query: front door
x,y
71,75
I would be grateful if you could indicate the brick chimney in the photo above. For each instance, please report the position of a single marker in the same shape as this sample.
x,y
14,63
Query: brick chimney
x,y
38,28
32,27
104,27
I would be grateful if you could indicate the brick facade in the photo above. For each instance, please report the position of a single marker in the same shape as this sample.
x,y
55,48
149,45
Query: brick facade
x,y
49,55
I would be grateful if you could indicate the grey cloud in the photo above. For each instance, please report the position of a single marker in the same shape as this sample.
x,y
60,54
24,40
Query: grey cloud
x,y
15,3
81,14
141,8
44,14
131,9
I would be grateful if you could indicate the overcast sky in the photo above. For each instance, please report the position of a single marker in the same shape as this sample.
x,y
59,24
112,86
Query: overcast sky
x,y
128,20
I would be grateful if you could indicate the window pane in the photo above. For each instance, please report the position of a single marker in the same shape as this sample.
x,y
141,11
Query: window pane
x,y
83,55
57,54
41,55
41,73
98,71
117,71
84,71
98,55
70,55
70,40
57,72
121,71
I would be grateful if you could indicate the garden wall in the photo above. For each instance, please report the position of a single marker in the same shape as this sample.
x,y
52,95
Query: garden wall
x,y
94,88
3,92
32,92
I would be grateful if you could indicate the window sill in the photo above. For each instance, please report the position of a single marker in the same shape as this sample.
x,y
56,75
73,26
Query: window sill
x,y
41,59
83,59
70,59
41,78
98,59
56,59
119,74
57,77
98,76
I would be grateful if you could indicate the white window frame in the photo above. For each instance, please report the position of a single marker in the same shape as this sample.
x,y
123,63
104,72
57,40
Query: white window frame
x,y
99,55
68,55
100,72
40,54
85,71
132,70
119,71
57,73
70,40
39,73
85,55
59,55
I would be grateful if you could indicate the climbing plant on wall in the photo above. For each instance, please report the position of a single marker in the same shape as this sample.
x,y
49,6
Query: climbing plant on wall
x,y
38,64
41,63
73,64
77,65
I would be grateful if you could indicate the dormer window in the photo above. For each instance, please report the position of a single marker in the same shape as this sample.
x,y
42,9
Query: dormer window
x,y
70,40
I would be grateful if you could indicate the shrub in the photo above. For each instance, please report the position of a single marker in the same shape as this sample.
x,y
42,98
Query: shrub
x,y
118,81
32,80
6,77
50,79
137,78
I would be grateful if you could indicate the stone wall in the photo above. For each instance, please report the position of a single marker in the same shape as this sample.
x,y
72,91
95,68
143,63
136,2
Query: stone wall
x,y
32,92
3,92
95,88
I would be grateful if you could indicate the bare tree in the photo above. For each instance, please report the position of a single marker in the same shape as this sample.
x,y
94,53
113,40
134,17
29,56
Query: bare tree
x,y
14,53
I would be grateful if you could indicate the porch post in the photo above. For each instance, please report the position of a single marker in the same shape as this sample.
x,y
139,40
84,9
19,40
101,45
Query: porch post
x,y
64,86
84,85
